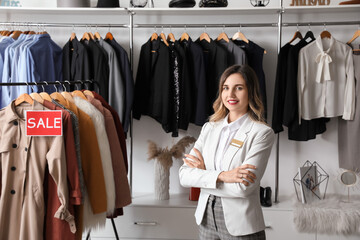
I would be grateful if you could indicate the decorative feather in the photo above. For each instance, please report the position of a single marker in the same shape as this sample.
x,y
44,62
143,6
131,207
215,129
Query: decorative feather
x,y
164,155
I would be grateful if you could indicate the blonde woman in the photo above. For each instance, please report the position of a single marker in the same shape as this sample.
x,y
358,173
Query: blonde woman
x,y
229,159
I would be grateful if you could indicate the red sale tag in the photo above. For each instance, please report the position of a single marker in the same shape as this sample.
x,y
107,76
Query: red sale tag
x,y
43,123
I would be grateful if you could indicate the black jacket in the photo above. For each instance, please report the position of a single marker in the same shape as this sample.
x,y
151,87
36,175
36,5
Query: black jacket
x,y
152,86
215,64
75,62
255,55
197,79
99,67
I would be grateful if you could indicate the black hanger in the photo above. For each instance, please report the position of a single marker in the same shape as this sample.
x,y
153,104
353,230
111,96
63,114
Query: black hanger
x,y
309,34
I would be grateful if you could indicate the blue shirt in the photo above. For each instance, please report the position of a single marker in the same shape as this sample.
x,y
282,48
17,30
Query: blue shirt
x,y
43,61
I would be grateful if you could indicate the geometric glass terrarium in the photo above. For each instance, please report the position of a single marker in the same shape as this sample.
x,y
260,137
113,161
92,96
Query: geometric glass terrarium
x,y
310,182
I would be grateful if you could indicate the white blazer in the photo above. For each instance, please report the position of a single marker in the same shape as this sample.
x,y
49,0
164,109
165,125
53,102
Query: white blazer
x,y
241,204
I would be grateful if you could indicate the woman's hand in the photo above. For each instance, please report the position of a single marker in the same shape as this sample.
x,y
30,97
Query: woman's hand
x,y
238,175
195,162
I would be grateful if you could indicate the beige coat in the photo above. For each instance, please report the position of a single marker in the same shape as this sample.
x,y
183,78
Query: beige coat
x,y
23,160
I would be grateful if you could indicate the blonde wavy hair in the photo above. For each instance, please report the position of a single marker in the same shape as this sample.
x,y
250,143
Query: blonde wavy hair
x,y
255,108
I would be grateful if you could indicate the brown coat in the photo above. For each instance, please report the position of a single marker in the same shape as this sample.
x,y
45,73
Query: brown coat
x,y
23,161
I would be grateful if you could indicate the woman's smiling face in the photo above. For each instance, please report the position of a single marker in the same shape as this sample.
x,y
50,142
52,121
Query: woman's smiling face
x,y
234,95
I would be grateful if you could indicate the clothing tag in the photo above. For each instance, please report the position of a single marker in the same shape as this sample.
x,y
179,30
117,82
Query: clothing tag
x,y
236,143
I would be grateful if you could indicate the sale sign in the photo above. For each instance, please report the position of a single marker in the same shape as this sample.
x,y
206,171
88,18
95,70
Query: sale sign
x,y
43,123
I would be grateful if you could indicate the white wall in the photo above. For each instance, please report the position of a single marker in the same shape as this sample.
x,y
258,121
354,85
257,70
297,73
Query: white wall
x,y
292,154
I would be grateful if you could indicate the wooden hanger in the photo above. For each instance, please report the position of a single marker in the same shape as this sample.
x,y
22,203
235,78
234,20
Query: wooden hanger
x,y
86,36
356,35
72,36
325,34
16,34
36,96
88,93
298,35
184,36
57,96
91,35
223,36
67,96
78,93
154,36
97,36
205,36
109,36
163,37
239,35
171,37
45,96
24,98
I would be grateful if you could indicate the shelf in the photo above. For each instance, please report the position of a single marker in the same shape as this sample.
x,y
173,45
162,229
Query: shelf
x,y
203,11
68,11
323,9
181,201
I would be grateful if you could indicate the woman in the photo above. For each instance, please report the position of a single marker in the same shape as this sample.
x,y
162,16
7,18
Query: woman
x,y
229,159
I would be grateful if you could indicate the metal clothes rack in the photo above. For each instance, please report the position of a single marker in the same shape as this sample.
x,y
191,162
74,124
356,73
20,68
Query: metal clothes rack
x,y
62,83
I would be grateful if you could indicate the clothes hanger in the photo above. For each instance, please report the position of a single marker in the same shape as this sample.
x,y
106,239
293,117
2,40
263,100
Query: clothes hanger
x,y
66,94
73,34
356,35
87,92
325,33
163,37
309,34
24,98
79,93
185,35
297,35
36,96
223,36
239,35
86,35
16,34
44,94
154,36
171,37
56,95
97,34
109,35
205,36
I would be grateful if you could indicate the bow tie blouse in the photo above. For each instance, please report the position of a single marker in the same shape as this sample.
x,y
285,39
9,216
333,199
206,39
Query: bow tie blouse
x,y
326,83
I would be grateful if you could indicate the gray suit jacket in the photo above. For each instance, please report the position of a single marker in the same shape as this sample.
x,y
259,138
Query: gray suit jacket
x,y
235,54
116,84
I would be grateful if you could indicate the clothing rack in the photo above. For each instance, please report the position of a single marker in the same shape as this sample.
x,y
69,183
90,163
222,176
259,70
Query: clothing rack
x,y
62,83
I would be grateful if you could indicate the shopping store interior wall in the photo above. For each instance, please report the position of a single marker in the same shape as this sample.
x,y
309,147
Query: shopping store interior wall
x,y
292,154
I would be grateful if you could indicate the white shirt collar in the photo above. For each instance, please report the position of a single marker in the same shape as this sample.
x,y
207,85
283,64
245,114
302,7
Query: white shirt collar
x,y
235,125
323,59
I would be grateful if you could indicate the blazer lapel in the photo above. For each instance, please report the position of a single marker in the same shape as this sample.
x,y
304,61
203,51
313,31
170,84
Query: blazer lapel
x,y
215,134
239,141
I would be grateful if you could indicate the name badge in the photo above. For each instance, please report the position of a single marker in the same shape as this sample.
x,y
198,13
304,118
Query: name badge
x,y
236,143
